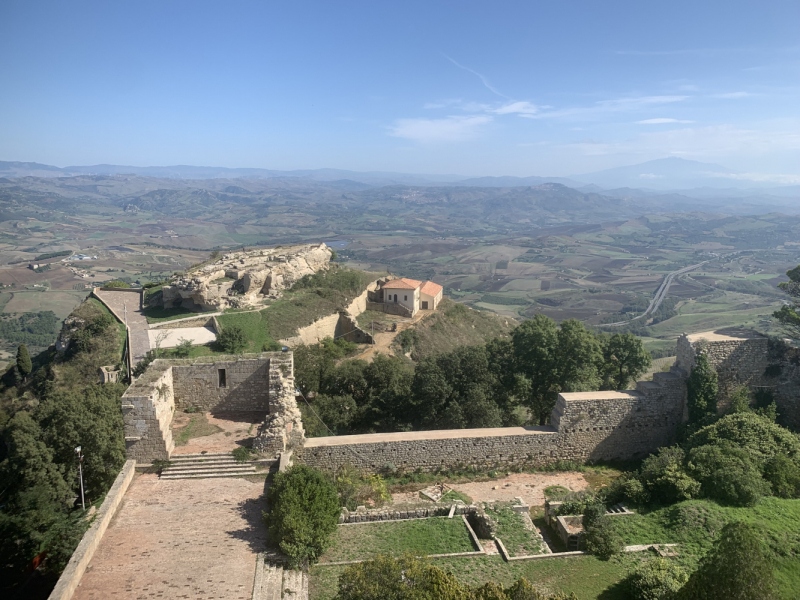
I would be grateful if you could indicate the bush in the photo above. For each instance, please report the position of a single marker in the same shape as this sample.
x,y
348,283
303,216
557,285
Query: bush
x,y
116,284
602,540
657,579
184,348
702,390
356,488
737,568
241,454
783,476
664,479
304,512
757,436
592,514
727,474
232,339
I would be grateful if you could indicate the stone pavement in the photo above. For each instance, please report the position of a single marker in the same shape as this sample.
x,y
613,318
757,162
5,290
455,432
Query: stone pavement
x,y
125,305
171,338
185,538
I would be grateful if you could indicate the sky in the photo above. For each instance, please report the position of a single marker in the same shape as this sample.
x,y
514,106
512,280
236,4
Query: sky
x,y
467,88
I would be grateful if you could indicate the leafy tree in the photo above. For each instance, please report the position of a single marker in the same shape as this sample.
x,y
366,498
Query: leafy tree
x,y
738,567
624,360
331,415
303,513
184,348
550,359
664,478
783,475
602,539
757,436
789,314
702,390
727,474
24,363
232,340
657,579
592,514
740,400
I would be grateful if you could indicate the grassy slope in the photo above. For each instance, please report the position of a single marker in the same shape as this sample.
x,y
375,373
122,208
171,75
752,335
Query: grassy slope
x,y
453,325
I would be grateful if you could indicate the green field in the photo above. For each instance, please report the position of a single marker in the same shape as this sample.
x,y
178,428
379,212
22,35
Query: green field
x,y
437,535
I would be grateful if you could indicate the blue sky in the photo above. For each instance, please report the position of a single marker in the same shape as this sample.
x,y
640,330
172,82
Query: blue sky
x,y
472,88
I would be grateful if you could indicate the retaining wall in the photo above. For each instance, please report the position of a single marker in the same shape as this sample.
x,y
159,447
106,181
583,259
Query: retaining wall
x,y
71,577
246,385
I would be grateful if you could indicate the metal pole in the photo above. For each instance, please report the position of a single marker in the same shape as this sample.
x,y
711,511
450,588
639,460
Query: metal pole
x,y
80,473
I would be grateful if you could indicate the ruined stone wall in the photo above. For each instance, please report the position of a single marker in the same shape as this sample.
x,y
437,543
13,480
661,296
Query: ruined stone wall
x,y
748,359
246,385
147,409
282,429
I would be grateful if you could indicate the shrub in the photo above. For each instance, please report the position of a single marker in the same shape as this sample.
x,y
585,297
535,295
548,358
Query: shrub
x,y
727,474
241,454
304,511
602,540
184,348
757,436
783,476
664,479
657,579
592,514
232,339
738,567
702,390
116,284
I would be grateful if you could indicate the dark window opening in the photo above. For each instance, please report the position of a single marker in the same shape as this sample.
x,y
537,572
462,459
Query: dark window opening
x,y
405,298
222,378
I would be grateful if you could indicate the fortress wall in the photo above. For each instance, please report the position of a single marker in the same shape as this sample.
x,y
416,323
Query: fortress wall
x,y
585,426
314,333
246,386
147,409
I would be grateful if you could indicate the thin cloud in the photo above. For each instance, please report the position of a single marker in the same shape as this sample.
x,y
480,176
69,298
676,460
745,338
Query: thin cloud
x,y
733,95
483,79
449,129
661,121
517,108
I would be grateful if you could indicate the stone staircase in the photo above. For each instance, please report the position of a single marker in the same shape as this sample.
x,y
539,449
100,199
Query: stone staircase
x,y
211,464
273,582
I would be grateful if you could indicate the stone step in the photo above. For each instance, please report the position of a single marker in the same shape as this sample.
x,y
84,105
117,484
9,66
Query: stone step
x,y
272,585
198,470
295,585
175,457
207,464
206,475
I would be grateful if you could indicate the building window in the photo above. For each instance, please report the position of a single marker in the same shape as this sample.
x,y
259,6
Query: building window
x,y
405,298
222,378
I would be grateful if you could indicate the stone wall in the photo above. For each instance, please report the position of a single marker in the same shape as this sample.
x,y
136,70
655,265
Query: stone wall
x,y
256,382
246,385
586,426
71,576
746,358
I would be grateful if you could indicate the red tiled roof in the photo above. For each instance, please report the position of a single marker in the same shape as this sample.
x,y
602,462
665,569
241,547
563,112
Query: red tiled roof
x,y
402,284
431,289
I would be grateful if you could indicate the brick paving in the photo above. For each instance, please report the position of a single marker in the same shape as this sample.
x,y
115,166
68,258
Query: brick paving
x,y
190,538
118,302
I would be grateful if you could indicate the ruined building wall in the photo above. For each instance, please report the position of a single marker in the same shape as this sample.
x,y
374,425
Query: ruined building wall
x,y
147,409
200,385
748,359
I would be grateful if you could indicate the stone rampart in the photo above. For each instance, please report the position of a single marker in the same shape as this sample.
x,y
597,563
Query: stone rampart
x,y
585,426
224,385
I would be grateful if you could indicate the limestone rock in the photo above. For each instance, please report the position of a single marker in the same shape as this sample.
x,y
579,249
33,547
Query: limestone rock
x,y
242,279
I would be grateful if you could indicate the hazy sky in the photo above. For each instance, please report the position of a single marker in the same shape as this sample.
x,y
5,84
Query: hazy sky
x,y
472,88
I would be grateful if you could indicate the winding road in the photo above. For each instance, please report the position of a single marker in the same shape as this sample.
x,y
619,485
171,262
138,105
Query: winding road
x,y
660,294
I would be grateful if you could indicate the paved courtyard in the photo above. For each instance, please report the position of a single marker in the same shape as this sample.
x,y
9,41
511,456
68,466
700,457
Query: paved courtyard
x,y
190,538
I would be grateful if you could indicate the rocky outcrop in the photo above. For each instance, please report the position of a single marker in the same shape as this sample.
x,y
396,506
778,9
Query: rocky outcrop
x,y
243,279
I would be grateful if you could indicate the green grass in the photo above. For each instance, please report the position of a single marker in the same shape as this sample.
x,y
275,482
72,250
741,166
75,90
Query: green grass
x,y
158,314
453,495
438,535
253,325
695,524
555,492
588,577
511,531
198,426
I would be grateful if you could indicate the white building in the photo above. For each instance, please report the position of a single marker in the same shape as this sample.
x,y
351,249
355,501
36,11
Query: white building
x,y
412,294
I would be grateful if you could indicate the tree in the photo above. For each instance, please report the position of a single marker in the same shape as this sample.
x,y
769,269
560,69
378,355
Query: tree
x,y
184,348
657,579
783,475
602,539
24,364
624,360
738,567
664,478
232,339
789,314
550,359
702,390
303,513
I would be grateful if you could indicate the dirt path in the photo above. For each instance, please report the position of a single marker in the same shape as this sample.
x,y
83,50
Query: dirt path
x,y
235,429
384,339
528,486
125,305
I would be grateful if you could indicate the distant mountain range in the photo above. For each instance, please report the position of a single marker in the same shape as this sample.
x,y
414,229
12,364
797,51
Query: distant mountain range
x,y
668,175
